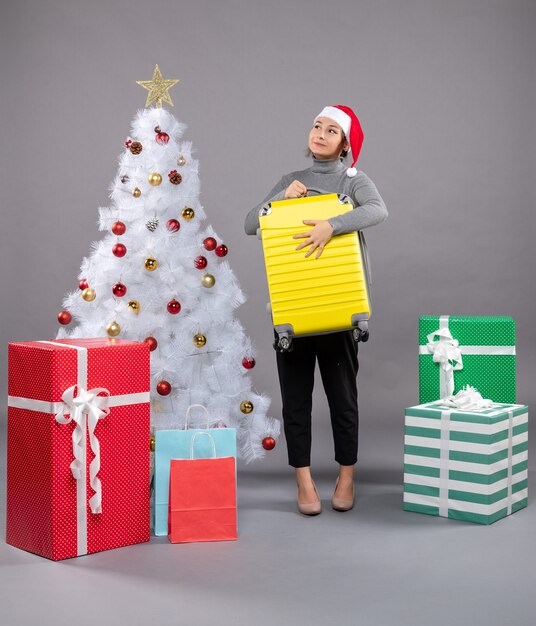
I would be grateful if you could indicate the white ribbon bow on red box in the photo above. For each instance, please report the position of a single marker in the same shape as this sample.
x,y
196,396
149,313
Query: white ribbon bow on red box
x,y
94,406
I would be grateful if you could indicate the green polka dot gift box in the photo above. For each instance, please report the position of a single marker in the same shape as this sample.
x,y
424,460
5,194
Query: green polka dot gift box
x,y
466,465
455,351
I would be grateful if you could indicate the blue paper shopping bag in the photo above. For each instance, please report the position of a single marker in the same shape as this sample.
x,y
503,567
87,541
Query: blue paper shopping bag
x,y
202,497
175,444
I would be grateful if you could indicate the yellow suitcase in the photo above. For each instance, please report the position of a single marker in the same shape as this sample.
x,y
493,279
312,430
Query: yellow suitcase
x,y
309,296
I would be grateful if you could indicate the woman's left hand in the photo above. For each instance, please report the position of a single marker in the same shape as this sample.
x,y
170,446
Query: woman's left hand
x,y
317,237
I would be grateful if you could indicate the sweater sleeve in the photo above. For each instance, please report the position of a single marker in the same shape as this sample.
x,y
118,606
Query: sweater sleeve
x,y
369,208
252,218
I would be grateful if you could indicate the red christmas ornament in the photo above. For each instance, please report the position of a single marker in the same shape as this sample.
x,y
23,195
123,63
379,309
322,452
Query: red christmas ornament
x,y
118,228
200,262
210,243
119,290
119,249
162,138
151,341
64,317
173,225
83,284
221,250
173,307
248,363
268,443
163,388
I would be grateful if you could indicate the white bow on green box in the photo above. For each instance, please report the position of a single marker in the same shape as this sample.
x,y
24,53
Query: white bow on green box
x,y
455,351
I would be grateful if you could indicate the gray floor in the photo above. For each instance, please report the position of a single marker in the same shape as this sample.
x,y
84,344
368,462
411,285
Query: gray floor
x,y
373,566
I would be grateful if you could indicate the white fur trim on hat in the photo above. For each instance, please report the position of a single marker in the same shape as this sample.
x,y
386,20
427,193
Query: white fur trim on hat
x,y
343,120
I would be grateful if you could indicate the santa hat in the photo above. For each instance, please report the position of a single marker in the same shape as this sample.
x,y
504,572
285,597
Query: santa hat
x,y
347,120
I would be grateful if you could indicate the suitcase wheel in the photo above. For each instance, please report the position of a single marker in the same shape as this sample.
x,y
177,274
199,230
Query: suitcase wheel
x,y
361,334
283,344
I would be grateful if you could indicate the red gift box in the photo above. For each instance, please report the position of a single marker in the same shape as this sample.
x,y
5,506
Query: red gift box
x,y
78,467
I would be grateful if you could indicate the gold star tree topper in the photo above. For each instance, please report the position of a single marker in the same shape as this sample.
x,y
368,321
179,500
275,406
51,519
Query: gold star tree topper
x,y
158,89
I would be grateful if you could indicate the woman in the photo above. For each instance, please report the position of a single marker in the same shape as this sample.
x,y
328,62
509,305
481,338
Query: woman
x,y
336,132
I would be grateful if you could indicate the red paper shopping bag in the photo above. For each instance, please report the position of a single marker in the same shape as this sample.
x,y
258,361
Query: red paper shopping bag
x,y
202,498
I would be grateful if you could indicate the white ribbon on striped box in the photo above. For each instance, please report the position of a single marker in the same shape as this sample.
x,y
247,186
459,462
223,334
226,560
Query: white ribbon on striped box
x,y
447,351
444,458
85,409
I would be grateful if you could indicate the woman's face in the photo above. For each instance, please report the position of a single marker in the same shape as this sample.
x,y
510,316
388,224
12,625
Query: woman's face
x,y
326,139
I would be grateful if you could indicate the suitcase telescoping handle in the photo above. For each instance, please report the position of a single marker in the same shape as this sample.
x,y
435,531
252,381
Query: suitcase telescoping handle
x,y
315,190
343,199
267,208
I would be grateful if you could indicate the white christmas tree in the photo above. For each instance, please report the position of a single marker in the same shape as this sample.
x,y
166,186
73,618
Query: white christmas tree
x,y
161,276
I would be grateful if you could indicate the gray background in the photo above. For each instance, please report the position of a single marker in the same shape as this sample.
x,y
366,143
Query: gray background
x,y
446,96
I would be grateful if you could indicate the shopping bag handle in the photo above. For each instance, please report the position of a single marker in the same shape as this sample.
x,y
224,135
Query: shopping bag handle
x,y
201,434
198,406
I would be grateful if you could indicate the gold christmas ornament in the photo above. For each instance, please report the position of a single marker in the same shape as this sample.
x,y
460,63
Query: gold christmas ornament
x,y
155,179
208,281
181,161
134,306
136,192
188,213
89,295
200,340
152,443
246,406
150,264
158,89
113,329
156,406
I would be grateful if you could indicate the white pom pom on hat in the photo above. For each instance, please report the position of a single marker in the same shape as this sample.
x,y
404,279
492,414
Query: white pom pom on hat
x,y
351,127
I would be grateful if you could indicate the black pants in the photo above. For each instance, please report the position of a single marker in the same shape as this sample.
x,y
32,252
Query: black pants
x,y
337,359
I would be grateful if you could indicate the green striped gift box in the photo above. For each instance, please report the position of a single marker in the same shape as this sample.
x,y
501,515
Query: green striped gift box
x,y
466,465
487,350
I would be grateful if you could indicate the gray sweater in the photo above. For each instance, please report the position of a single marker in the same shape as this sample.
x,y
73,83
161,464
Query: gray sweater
x,y
330,176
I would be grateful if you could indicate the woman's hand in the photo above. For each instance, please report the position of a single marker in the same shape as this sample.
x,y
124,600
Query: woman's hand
x,y
295,190
317,237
